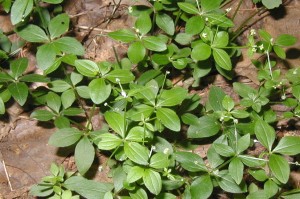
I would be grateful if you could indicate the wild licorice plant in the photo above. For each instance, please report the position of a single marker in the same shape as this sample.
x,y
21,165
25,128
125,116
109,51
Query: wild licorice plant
x,y
152,124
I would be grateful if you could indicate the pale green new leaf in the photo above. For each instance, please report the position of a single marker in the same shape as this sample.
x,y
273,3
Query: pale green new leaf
x,y
19,10
288,145
143,23
136,153
68,98
84,155
279,167
65,137
116,121
264,133
285,40
168,118
99,90
221,39
33,33
152,181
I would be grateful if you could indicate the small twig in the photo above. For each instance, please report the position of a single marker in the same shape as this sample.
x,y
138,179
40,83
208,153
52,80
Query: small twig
x,y
7,176
94,29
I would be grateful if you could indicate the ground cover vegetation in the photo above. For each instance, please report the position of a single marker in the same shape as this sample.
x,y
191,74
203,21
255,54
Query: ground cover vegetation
x,y
152,125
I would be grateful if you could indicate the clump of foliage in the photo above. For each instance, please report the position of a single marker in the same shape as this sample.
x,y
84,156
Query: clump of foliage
x,y
152,126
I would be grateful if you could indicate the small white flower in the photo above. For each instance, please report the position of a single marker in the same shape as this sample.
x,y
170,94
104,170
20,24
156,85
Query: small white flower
x,y
153,147
123,93
254,50
261,47
228,10
130,9
252,32
272,40
206,19
204,35
167,72
255,141
235,121
105,104
137,30
195,162
117,80
283,97
294,72
166,150
100,168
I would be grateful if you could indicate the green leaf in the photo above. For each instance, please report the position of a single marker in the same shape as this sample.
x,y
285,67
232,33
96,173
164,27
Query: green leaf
x,y
285,40
135,173
19,91
271,188
152,181
184,38
99,90
208,5
42,115
136,113
45,56
221,39
288,145
159,161
65,137
76,78
61,122
4,77
136,153
236,170
19,10
123,35
68,98
239,114
71,111
32,33
243,90
220,20
83,91
18,67
270,4
166,23
69,45
206,127
259,174
228,103
154,43
53,101
116,121
264,133
279,52
87,68
265,35
84,155
53,1
125,76
87,188
279,167
59,86
229,185
138,194
202,187
109,141
251,161
215,98
222,59
136,52
143,23
223,150
190,161
136,134
194,25
188,8
296,92
243,143
59,25
201,52
172,97
40,190
168,118
2,107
